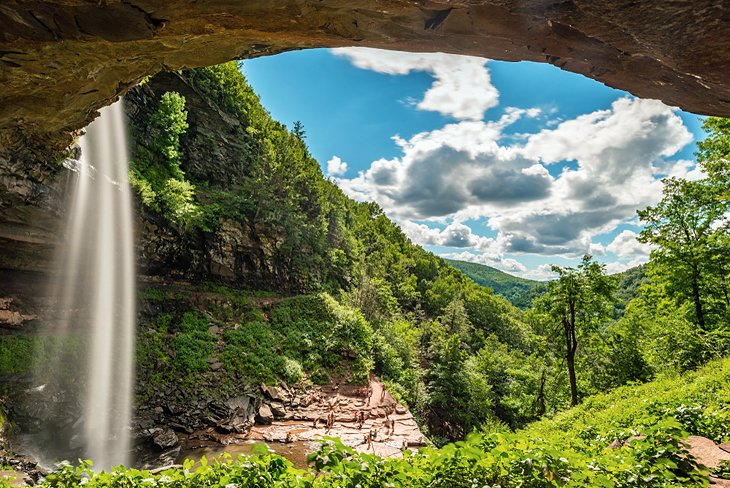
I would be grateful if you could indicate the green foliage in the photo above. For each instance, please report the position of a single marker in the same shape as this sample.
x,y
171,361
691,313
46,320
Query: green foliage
x,y
722,471
193,344
156,174
519,291
16,354
629,286
371,300
23,353
578,303
691,248
697,400
167,125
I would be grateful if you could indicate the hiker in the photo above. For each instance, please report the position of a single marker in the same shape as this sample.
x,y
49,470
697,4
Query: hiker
x,y
382,393
360,419
369,440
315,422
370,393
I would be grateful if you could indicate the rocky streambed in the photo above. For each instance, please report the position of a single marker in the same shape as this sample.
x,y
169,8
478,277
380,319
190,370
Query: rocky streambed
x,y
365,418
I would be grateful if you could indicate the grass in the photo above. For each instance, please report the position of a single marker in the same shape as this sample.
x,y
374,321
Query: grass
x,y
698,400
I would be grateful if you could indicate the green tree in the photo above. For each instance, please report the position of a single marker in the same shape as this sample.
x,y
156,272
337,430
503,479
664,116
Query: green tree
x,y
689,245
167,124
579,299
298,130
459,395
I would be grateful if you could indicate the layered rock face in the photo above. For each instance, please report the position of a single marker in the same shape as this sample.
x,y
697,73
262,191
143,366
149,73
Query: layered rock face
x,y
62,60
34,194
213,151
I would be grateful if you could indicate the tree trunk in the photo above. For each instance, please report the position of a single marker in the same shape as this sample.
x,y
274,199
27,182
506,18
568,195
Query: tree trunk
x,y
571,343
698,301
571,375
541,396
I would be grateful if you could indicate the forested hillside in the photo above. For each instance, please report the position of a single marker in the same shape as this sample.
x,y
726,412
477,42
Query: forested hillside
x,y
460,356
258,270
519,291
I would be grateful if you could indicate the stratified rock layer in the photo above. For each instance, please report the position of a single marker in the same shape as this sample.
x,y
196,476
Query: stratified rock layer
x,y
62,60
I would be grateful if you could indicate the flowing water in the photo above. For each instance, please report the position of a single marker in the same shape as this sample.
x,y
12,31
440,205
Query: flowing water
x,y
96,293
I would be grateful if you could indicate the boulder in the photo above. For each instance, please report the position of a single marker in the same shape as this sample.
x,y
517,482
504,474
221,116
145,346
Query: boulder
x,y
165,439
277,409
274,392
706,451
265,416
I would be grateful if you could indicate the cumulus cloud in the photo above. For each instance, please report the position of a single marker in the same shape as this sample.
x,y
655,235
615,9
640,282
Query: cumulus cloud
x,y
450,170
456,234
336,166
462,87
505,264
620,266
688,170
470,170
542,272
625,245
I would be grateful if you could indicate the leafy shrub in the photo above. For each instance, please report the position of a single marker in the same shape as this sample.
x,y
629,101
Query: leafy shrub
x,y
193,344
293,371
156,174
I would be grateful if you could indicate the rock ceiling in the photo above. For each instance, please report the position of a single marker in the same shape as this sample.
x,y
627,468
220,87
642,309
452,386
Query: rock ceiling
x,y
62,60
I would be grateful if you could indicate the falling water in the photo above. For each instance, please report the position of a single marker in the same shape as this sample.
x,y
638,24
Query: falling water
x,y
97,274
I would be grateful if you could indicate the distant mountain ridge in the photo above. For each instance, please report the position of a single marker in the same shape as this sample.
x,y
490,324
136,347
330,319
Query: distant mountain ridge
x,y
519,291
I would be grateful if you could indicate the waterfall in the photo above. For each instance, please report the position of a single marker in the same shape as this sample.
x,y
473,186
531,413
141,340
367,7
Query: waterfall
x,y
97,276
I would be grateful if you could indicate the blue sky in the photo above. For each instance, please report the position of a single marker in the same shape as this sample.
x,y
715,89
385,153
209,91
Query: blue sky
x,y
514,165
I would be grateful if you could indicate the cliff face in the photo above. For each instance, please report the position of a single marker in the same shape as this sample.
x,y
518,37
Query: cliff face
x,y
33,199
62,60
213,153
33,203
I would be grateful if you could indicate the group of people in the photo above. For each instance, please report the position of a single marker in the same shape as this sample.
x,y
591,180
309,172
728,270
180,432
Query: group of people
x,y
330,422
387,428
370,394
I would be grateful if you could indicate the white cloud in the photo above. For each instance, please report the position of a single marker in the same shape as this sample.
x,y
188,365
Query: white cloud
x,y
682,168
462,87
625,245
507,265
620,266
543,272
456,234
336,166
451,170
470,171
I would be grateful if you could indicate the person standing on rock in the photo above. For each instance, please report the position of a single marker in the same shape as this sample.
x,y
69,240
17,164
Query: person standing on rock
x,y
370,393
